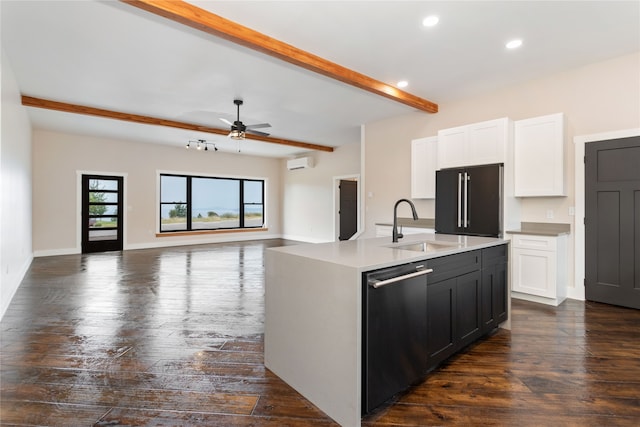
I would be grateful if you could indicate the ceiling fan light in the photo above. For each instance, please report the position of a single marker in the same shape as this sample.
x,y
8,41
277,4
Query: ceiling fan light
x,y
236,134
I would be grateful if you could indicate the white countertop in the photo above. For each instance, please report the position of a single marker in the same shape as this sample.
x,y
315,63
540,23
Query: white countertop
x,y
379,252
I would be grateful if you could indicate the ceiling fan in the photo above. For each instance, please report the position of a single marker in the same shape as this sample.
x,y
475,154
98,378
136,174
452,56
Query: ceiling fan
x,y
238,129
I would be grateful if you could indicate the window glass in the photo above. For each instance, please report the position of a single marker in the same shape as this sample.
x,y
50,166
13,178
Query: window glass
x,y
101,197
253,191
205,203
215,203
173,217
173,203
103,184
253,203
173,188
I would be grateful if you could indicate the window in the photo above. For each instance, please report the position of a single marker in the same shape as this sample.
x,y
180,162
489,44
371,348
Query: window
x,y
189,203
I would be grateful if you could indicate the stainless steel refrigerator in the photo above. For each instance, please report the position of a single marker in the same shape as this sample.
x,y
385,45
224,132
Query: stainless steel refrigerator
x,y
469,200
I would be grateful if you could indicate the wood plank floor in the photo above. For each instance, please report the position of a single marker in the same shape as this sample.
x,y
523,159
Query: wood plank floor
x,y
174,337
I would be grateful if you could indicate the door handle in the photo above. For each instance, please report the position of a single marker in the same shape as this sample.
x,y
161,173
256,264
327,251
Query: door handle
x,y
467,177
379,283
459,204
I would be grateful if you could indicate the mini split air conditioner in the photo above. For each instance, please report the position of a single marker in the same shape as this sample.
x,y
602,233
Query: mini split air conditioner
x,y
300,163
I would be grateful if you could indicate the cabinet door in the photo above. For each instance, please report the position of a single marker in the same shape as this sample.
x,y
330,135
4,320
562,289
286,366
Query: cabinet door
x,y
452,147
468,320
500,293
539,152
423,168
487,142
494,296
534,272
441,306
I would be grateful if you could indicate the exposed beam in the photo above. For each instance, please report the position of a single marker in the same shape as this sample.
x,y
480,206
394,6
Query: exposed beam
x,y
30,101
208,22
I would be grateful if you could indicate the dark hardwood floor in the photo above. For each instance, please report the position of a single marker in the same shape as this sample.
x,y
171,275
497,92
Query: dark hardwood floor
x,y
174,337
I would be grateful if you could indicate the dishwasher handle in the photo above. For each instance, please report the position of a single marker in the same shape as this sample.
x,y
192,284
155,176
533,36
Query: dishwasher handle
x,y
379,283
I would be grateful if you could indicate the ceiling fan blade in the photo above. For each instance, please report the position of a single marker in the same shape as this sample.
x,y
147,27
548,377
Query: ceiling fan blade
x,y
226,121
259,125
256,132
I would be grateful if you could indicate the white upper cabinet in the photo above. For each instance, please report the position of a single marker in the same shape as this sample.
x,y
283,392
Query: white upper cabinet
x,y
452,148
476,144
423,168
539,151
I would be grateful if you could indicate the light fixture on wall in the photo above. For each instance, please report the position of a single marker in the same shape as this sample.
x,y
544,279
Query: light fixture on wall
x,y
201,144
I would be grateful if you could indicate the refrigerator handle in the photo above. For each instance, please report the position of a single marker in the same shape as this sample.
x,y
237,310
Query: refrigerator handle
x,y
467,177
459,199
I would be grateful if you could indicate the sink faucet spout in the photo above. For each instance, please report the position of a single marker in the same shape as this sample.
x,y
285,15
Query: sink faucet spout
x,y
395,234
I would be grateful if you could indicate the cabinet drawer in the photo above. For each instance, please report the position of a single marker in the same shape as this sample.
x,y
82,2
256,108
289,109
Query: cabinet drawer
x,y
450,266
528,241
494,255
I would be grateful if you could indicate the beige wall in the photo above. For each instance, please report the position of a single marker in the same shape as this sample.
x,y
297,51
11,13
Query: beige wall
x,y
58,158
308,194
600,97
15,194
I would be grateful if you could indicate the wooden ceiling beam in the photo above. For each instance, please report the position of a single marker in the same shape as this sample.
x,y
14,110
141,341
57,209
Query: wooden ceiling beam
x,y
30,101
200,19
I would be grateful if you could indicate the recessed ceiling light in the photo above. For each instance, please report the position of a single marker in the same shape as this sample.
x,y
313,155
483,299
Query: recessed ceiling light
x,y
402,83
513,44
430,21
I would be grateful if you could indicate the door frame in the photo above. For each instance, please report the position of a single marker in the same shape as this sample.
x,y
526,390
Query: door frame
x,y
79,174
336,205
578,290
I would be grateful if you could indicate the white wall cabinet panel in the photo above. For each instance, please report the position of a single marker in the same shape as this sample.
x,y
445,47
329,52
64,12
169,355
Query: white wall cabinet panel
x,y
423,168
540,150
539,268
476,144
487,141
452,147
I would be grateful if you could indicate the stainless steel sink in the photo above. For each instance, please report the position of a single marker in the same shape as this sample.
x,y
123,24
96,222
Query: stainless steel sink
x,y
423,246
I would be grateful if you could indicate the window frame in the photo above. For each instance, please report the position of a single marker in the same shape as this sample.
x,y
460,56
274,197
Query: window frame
x,y
189,203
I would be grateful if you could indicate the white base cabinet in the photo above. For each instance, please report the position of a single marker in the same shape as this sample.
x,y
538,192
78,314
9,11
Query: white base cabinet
x,y
539,268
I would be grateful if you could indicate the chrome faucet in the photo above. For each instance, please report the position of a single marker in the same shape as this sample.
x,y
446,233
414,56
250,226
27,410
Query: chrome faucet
x,y
395,235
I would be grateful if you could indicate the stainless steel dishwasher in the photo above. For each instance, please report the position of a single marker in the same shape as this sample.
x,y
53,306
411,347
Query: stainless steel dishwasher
x,y
394,331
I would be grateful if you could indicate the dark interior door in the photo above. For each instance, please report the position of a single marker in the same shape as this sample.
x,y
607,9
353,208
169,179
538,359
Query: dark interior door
x,y
348,209
102,202
612,222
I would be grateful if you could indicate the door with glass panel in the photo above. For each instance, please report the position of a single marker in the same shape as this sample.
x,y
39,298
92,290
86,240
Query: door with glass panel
x,y
102,203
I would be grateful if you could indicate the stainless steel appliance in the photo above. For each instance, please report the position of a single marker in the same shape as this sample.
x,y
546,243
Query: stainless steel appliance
x,y
469,200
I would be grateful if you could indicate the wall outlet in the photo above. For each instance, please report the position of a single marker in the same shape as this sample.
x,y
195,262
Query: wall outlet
x,y
572,211
549,214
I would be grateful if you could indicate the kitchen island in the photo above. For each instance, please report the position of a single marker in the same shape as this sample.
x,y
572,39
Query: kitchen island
x,y
314,310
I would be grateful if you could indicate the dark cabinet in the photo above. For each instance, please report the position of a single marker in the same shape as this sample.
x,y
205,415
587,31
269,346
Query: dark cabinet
x,y
453,305
414,324
495,298
441,327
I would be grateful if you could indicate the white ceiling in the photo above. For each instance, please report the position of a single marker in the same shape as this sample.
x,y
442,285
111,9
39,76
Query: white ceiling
x,y
111,55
